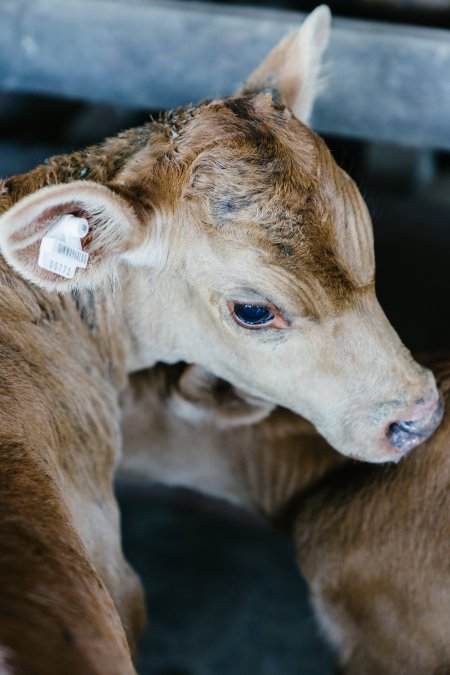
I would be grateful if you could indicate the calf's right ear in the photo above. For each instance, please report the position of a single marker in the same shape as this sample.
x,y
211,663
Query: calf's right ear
x,y
115,231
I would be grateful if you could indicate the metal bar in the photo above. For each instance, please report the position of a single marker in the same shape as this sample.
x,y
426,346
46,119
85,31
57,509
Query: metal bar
x,y
383,82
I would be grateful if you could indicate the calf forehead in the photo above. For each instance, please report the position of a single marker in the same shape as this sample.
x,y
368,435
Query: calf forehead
x,y
274,180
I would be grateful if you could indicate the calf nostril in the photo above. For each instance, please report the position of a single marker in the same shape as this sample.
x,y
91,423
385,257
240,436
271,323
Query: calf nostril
x,y
399,433
405,426
412,426
406,434
402,436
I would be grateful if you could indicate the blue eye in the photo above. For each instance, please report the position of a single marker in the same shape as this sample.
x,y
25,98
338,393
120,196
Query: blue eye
x,y
253,315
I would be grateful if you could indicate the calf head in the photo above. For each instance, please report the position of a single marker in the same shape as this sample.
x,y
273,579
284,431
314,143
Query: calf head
x,y
241,246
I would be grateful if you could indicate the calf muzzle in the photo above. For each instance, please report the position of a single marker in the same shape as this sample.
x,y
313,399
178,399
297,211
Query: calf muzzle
x,y
406,434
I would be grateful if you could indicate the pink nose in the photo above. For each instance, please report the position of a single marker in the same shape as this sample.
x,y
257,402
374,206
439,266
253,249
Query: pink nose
x,y
406,434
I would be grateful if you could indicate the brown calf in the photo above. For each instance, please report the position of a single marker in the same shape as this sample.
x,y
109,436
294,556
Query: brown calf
x,y
372,542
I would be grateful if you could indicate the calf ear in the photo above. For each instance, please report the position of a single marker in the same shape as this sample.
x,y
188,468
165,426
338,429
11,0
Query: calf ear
x,y
201,397
292,68
114,231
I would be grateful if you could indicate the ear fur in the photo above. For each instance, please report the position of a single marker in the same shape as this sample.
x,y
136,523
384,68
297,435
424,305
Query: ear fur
x,y
114,231
292,67
201,397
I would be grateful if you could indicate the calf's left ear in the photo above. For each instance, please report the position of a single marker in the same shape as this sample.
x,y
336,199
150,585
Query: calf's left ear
x,y
115,231
292,68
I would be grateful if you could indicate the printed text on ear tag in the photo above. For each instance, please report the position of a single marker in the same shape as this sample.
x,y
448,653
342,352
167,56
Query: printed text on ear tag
x,y
60,250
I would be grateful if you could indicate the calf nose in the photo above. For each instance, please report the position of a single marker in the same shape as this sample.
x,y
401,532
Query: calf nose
x,y
406,434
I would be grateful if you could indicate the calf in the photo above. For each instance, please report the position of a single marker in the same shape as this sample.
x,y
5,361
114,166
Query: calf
x,y
374,545
184,427
234,241
222,233
372,542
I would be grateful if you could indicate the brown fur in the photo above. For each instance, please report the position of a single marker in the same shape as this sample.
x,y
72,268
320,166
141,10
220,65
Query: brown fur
x,y
373,542
55,612
61,372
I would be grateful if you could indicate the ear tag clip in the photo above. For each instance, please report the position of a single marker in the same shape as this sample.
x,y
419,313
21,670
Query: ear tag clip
x,y
61,251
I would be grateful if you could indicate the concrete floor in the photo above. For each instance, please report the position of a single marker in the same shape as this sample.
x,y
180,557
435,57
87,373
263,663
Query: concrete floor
x,y
224,594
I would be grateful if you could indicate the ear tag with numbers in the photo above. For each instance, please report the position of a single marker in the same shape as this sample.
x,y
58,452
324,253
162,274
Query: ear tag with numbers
x,y
61,250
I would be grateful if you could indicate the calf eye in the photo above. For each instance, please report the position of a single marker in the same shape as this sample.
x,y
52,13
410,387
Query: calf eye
x,y
257,316
253,315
